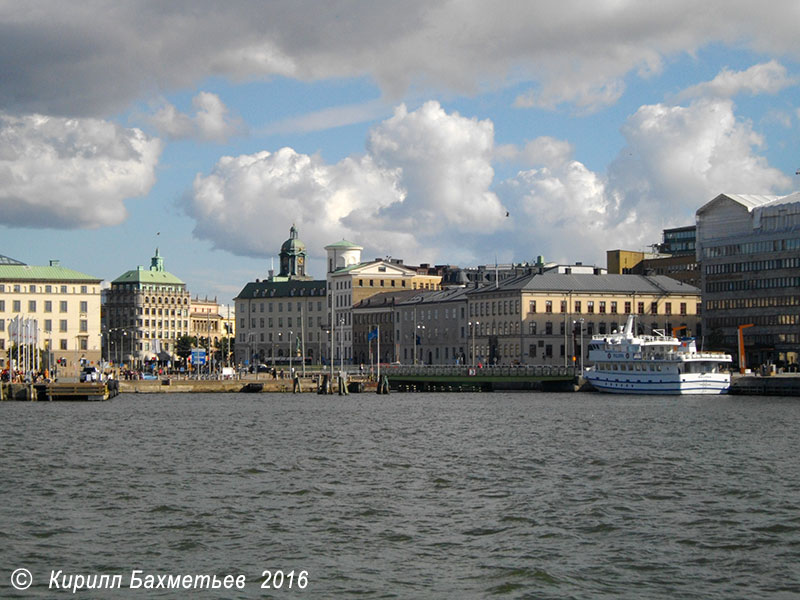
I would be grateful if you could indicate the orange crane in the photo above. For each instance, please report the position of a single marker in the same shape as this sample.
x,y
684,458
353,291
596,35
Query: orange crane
x,y
741,347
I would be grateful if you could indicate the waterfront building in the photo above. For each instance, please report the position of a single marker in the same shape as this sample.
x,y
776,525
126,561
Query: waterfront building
x,y
350,281
538,318
374,327
61,308
748,247
207,324
431,327
490,274
284,315
674,257
145,312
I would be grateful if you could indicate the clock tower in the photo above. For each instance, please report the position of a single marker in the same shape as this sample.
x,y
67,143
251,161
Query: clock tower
x,y
293,257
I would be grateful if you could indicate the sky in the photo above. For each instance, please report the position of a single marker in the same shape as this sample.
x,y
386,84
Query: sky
x,y
462,132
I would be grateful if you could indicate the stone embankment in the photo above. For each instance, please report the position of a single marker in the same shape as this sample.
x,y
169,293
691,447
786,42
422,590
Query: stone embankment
x,y
160,386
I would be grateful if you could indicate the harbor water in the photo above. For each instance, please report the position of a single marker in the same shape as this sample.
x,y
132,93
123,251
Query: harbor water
x,y
508,495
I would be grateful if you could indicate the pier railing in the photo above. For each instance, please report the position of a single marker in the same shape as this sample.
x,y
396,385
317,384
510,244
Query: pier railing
x,y
523,371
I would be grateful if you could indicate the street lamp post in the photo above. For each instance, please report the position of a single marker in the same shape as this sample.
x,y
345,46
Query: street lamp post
x,y
473,326
341,345
579,322
421,329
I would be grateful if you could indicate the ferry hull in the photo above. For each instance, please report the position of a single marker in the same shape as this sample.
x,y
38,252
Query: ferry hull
x,y
718,384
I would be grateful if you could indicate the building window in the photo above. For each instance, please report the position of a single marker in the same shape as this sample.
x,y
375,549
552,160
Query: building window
x,y
602,306
613,307
32,306
548,328
683,309
84,326
63,344
62,306
577,306
641,308
563,306
653,308
548,306
668,308
532,306
84,343
17,306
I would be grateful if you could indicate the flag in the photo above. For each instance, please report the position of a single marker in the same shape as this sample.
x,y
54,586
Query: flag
x,y
372,335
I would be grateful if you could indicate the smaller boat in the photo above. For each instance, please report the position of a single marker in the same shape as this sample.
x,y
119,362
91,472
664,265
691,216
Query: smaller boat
x,y
626,363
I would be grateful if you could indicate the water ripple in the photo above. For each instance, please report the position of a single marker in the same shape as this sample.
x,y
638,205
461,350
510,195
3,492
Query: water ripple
x,y
414,495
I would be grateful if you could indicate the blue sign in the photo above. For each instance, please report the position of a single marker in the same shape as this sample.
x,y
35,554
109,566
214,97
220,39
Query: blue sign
x,y
198,357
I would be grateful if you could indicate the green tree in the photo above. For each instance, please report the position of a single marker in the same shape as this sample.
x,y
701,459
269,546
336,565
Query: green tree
x,y
183,347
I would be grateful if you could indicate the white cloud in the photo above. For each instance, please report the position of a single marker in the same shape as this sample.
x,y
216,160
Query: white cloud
x,y
765,78
676,159
424,188
329,118
446,169
211,120
248,202
542,151
424,183
71,173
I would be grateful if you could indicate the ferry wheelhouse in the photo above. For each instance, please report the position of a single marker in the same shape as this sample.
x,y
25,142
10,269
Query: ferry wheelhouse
x,y
626,363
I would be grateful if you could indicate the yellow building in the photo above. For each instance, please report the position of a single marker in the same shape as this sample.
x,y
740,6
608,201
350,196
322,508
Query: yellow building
x,y
60,311
538,319
350,281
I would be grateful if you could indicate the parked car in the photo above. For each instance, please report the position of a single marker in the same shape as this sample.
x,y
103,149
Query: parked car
x,y
90,374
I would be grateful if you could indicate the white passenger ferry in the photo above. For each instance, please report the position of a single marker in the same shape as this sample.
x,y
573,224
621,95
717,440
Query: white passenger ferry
x,y
626,363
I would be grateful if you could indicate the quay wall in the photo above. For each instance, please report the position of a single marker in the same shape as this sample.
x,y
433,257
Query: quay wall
x,y
774,385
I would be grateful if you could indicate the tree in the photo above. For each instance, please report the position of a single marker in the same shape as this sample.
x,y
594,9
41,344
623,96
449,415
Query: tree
x,y
183,347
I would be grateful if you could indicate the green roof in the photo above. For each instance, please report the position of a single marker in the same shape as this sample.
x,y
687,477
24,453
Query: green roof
x,y
21,272
149,276
343,244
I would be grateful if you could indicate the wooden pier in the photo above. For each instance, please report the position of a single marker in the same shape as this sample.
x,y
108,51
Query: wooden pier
x,y
58,391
